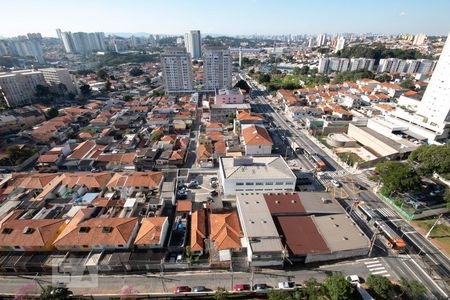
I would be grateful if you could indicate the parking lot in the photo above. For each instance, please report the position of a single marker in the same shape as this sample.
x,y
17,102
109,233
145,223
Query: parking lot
x,y
201,193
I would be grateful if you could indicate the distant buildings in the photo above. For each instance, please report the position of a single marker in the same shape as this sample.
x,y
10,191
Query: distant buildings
x,y
217,68
409,66
192,42
335,64
321,40
420,39
23,47
340,43
177,70
83,42
19,87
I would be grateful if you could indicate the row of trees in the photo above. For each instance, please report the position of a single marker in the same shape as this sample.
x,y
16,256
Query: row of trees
x,y
379,51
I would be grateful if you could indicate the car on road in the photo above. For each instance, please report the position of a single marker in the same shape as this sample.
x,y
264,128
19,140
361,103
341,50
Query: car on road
x,y
335,183
286,285
198,289
353,279
181,289
239,287
260,287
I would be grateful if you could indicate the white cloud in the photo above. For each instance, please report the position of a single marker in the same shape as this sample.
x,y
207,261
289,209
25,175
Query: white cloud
x,y
402,13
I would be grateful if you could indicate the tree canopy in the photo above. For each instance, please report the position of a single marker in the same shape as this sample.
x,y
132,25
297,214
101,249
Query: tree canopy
x,y
42,91
136,71
412,288
431,159
352,76
51,113
397,177
379,51
85,90
380,285
102,74
338,288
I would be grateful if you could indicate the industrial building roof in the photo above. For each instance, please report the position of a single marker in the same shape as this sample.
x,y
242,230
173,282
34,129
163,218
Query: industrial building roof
x,y
340,233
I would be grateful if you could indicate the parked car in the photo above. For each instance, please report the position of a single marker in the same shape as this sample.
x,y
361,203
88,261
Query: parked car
x,y
198,289
213,193
335,183
353,279
238,287
286,285
260,287
181,289
193,184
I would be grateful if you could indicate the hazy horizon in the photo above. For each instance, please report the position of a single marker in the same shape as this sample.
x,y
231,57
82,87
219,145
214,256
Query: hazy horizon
x,y
231,18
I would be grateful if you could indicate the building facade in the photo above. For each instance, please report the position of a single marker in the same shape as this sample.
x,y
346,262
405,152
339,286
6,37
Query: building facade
x,y
193,44
177,70
217,68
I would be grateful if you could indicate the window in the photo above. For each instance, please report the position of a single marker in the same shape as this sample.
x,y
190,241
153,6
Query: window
x,y
259,183
249,183
279,183
239,183
269,183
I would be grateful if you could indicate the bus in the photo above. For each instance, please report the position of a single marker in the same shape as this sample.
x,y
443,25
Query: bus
x,y
392,239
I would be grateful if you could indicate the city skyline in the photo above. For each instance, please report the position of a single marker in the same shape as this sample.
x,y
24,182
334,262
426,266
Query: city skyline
x,y
176,17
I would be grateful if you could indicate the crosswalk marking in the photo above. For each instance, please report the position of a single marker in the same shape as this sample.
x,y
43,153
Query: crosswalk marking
x,y
387,212
374,265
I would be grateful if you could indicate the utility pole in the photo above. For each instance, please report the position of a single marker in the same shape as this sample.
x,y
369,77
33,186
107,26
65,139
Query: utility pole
x,y
432,227
372,242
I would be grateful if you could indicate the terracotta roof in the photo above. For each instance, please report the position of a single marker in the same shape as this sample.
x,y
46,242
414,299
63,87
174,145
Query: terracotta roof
x,y
48,158
215,135
244,115
90,180
198,230
30,180
225,230
256,135
139,179
96,231
126,158
204,151
82,150
214,125
220,147
29,233
150,231
184,206
178,154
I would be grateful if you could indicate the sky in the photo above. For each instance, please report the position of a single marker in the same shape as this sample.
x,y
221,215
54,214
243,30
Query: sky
x,y
229,17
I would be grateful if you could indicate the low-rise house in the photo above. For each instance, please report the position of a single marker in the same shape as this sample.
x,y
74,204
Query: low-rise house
x,y
84,233
28,234
225,236
256,140
129,183
226,96
152,233
205,156
198,231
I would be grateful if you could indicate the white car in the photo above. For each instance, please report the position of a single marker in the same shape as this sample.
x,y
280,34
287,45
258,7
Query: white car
x,y
353,279
335,183
286,285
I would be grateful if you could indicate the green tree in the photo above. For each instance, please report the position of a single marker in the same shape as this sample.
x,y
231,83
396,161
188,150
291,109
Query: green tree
x,y
279,295
337,287
108,85
55,293
136,71
85,90
220,294
42,91
313,289
127,98
397,177
51,113
412,288
385,77
264,78
381,285
431,159
102,74
408,84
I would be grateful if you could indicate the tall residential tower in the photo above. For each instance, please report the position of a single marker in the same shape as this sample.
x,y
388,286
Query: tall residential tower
x,y
193,44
